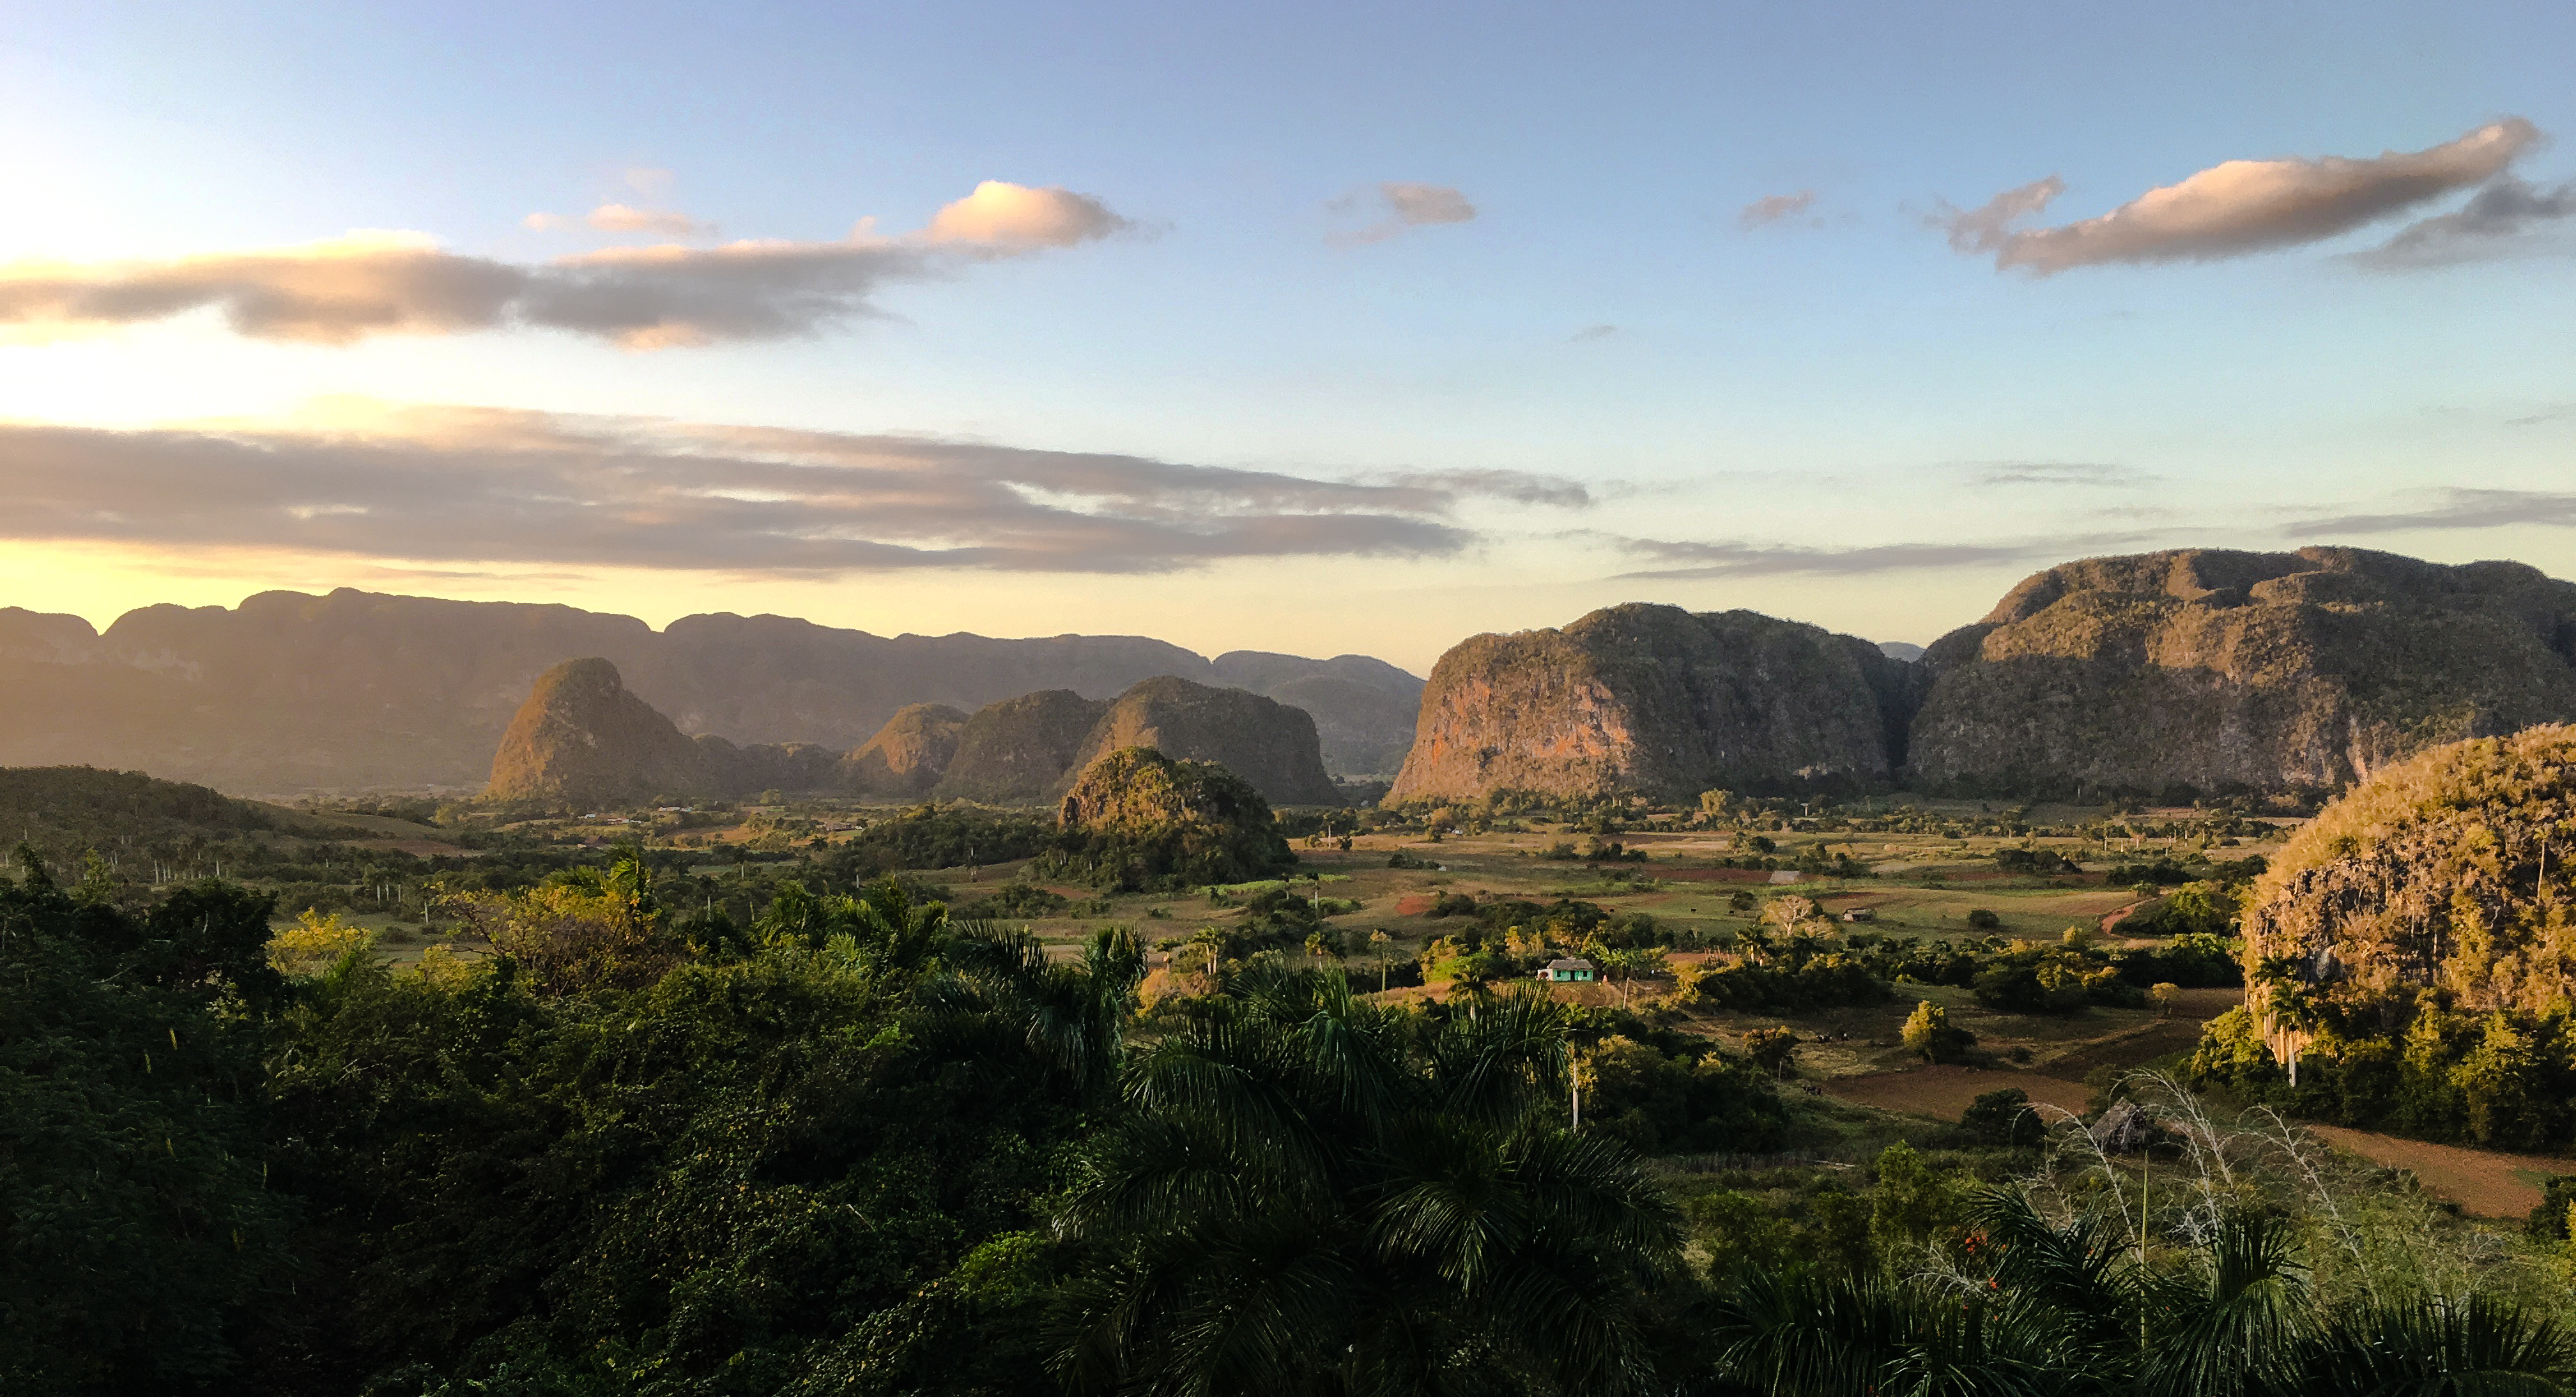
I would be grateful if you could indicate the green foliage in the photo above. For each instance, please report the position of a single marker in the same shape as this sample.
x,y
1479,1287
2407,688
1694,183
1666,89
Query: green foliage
x,y
1310,1194
1929,1034
1139,821
2004,1119
1984,919
1014,901
136,1235
933,836
1679,1103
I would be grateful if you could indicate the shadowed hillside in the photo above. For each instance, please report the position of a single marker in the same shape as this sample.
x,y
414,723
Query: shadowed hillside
x,y
361,690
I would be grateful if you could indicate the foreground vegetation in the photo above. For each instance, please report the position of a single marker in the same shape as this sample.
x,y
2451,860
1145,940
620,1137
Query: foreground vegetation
x,y
854,1145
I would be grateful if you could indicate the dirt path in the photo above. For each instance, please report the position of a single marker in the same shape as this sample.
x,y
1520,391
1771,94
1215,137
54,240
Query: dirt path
x,y
1947,1092
2484,1183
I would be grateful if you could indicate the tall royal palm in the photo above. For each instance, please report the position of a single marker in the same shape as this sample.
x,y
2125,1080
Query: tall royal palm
x,y
1314,1195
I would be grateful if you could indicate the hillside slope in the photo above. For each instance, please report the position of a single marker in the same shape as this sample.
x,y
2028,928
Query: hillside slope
x,y
2203,671
355,690
1269,745
1656,699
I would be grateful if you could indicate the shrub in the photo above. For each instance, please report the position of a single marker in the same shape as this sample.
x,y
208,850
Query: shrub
x,y
1929,1034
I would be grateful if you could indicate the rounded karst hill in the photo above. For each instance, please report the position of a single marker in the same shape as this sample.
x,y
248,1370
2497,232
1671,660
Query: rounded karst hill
x,y
1263,741
1656,699
1020,750
2205,671
581,737
2445,876
909,754
1136,818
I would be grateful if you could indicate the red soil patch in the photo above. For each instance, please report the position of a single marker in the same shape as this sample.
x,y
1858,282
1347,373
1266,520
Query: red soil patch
x,y
1414,904
1946,1092
2484,1183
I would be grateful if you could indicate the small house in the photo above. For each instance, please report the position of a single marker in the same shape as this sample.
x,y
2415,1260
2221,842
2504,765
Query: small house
x,y
1860,914
1565,970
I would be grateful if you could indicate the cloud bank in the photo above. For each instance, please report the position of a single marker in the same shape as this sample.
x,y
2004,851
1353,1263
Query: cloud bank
x,y
2239,207
2498,221
494,487
340,290
1404,207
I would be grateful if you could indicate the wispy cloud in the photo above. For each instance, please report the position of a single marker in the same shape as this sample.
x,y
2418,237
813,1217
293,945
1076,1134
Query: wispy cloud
x,y
1589,333
2084,474
2239,207
2450,509
1402,208
1713,560
2500,220
340,290
622,218
489,487
1772,208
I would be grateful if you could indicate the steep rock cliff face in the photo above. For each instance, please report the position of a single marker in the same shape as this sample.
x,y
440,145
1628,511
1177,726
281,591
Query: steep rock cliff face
x,y
1656,699
908,755
582,737
1265,742
2216,671
1018,751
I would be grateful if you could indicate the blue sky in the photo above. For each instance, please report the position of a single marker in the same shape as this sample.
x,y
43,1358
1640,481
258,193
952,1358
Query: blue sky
x,y
1603,372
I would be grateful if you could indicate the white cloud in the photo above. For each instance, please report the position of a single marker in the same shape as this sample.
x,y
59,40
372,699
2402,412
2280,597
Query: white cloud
x,y
1016,218
2239,207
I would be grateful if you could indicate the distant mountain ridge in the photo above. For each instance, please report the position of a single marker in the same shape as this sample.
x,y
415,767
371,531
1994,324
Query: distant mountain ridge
x,y
357,690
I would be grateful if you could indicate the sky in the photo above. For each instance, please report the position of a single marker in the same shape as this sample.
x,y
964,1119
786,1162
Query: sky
x,y
1315,328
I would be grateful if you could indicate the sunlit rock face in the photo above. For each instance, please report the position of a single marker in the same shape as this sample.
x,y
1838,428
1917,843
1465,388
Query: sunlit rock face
x,y
1658,700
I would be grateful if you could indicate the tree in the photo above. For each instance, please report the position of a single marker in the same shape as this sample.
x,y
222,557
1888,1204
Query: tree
x,y
1772,1049
2164,994
1306,1195
1928,1034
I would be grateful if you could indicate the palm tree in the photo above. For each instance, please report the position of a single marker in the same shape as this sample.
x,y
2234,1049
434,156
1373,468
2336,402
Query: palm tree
x,y
1311,1194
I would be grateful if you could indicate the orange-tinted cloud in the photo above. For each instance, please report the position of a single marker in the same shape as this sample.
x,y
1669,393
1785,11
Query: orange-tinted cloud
x,y
344,289
622,218
2239,207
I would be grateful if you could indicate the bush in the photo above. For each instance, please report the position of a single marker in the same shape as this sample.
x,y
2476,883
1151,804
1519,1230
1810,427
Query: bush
x,y
1929,1033
2004,1119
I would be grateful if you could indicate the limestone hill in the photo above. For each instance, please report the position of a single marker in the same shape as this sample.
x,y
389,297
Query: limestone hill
x,y
2204,671
581,737
908,755
2448,872
1136,818
355,690
1270,745
1656,699
1018,751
